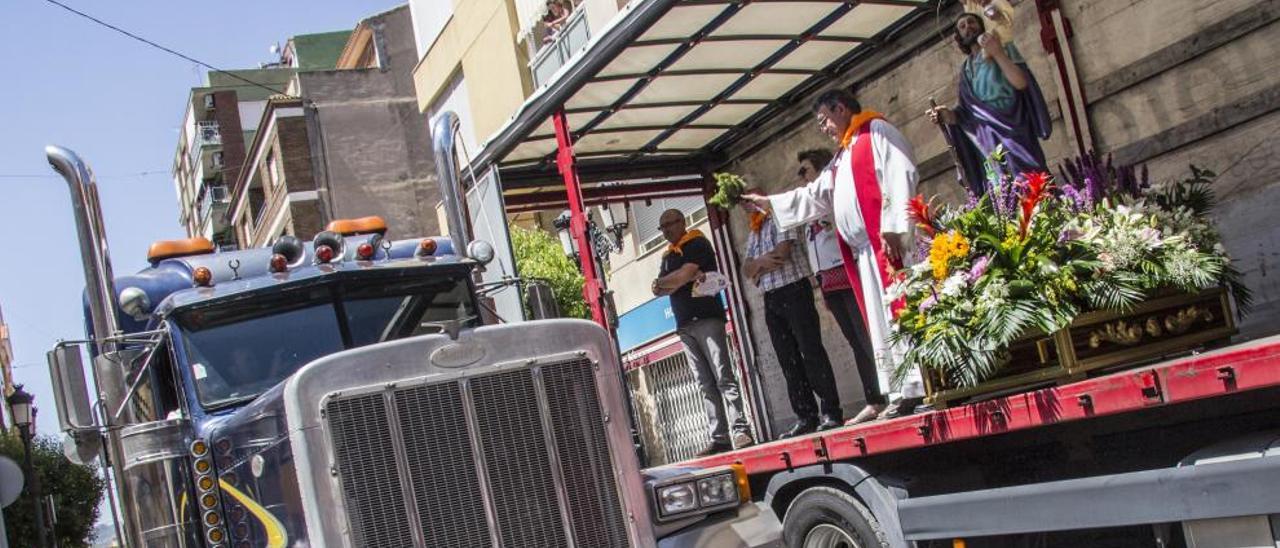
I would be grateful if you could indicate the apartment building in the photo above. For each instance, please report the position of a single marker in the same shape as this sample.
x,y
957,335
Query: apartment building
x,y
346,140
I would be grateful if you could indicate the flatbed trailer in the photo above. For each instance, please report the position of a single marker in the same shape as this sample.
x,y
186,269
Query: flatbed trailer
x,y
1103,461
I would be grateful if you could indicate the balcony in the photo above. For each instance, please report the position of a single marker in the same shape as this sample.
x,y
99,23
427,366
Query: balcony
x,y
213,200
206,135
572,37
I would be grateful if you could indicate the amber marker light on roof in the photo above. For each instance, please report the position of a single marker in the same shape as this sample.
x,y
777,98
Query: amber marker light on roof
x,y
427,247
169,249
372,224
202,276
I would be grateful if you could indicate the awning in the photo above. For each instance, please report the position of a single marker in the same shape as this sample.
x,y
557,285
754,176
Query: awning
x,y
671,85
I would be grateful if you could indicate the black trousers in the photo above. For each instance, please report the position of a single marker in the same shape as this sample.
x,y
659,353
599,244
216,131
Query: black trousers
x,y
797,339
844,307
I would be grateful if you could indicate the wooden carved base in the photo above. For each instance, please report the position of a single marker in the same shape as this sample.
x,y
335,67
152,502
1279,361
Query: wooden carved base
x,y
1169,324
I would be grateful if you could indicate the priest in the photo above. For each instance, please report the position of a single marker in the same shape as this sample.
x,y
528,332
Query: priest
x,y
865,189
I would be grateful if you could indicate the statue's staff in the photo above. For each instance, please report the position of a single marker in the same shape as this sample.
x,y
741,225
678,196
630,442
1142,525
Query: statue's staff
x,y
951,147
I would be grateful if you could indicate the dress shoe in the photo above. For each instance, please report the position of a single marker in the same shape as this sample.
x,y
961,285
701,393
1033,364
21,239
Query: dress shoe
x,y
829,421
800,428
869,413
715,448
743,439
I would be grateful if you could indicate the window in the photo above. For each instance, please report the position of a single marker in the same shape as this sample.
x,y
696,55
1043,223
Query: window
x,y
274,175
647,233
238,349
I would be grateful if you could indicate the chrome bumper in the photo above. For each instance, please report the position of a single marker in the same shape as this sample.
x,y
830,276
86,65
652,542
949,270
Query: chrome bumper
x,y
751,526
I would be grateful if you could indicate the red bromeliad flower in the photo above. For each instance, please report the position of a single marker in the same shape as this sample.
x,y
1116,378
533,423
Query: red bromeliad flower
x,y
918,211
1034,190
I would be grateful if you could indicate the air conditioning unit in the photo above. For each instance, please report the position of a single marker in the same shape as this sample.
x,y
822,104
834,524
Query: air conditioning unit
x,y
208,101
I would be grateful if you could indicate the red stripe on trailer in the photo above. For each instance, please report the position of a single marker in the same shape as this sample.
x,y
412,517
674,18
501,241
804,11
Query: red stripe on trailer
x,y
1248,366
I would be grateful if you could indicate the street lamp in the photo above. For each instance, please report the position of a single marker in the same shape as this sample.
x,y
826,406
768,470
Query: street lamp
x,y
562,224
23,414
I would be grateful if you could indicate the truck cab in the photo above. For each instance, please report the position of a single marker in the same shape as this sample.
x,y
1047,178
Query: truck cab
x,y
345,392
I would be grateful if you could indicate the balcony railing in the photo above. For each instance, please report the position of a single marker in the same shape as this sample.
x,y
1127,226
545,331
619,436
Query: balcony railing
x,y
207,135
215,196
573,36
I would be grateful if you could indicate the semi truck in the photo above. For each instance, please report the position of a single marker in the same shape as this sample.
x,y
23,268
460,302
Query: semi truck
x,y
345,392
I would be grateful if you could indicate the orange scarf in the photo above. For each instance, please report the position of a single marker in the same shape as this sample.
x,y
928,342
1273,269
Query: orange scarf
x,y
676,247
855,123
757,220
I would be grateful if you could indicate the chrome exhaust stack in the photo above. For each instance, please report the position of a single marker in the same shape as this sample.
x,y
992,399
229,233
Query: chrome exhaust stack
x,y
96,260
110,364
444,136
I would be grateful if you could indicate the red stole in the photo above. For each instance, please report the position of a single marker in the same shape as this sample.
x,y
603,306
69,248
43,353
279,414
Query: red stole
x,y
870,204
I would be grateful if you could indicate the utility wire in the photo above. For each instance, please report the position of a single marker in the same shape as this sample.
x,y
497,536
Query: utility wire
x,y
55,176
163,48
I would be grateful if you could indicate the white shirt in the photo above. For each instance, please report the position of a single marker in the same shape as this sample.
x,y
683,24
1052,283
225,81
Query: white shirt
x,y
832,193
824,247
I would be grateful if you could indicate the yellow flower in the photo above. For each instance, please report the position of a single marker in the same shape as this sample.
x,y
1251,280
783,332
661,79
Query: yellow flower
x,y
946,246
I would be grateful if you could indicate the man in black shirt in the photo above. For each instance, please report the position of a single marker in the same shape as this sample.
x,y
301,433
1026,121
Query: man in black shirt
x,y
700,323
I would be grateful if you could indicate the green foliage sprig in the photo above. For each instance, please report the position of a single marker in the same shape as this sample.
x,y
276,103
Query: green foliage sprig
x,y
729,189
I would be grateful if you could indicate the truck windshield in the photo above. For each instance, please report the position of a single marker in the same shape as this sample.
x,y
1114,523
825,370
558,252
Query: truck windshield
x,y
239,349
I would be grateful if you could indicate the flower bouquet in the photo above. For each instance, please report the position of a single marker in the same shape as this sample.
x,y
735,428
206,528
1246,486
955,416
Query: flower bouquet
x,y
1045,273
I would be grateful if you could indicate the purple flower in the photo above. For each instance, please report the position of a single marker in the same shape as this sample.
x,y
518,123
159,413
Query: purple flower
x,y
1069,235
1079,201
979,267
929,302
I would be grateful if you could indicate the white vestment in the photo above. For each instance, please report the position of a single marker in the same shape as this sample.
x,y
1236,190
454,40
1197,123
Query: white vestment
x,y
833,193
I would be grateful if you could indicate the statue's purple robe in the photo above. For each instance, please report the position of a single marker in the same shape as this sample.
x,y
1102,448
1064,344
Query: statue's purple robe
x,y
980,127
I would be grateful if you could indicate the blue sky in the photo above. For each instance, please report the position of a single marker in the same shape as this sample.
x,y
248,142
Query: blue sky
x,y
118,103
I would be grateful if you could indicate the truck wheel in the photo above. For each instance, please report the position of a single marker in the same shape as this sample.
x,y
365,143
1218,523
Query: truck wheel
x,y
826,517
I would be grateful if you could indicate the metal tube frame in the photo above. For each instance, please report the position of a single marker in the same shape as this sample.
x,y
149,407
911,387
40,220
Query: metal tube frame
x,y
592,287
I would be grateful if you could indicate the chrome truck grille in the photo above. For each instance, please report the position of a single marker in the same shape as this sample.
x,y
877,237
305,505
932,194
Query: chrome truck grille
x,y
515,459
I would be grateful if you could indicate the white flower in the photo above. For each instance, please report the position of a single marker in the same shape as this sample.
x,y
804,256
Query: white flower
x,y
955,285
1149,236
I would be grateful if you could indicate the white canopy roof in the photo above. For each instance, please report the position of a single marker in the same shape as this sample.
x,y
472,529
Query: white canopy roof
x,y
677,78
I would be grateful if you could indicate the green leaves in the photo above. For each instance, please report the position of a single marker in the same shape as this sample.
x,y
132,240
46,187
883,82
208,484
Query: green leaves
x,y
539,256
729,189
76,492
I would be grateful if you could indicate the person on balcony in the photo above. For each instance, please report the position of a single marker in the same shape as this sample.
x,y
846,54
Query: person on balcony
x,y
837,292
776,262
558,12
700,323
865,190
1000,106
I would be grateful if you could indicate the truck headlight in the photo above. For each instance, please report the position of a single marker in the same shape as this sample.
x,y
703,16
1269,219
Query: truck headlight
x,y
701,492
678,498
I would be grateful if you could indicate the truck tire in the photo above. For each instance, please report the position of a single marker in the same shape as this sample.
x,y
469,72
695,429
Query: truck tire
x,y
826,517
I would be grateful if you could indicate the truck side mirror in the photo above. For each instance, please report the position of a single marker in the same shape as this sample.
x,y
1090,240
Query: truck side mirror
x,y
70,392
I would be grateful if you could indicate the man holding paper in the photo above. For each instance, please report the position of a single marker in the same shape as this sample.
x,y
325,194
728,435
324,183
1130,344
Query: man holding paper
x,y
700,323
865,189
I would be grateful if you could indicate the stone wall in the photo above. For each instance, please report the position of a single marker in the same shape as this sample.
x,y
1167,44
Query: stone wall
x,y
1168,83
370,145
